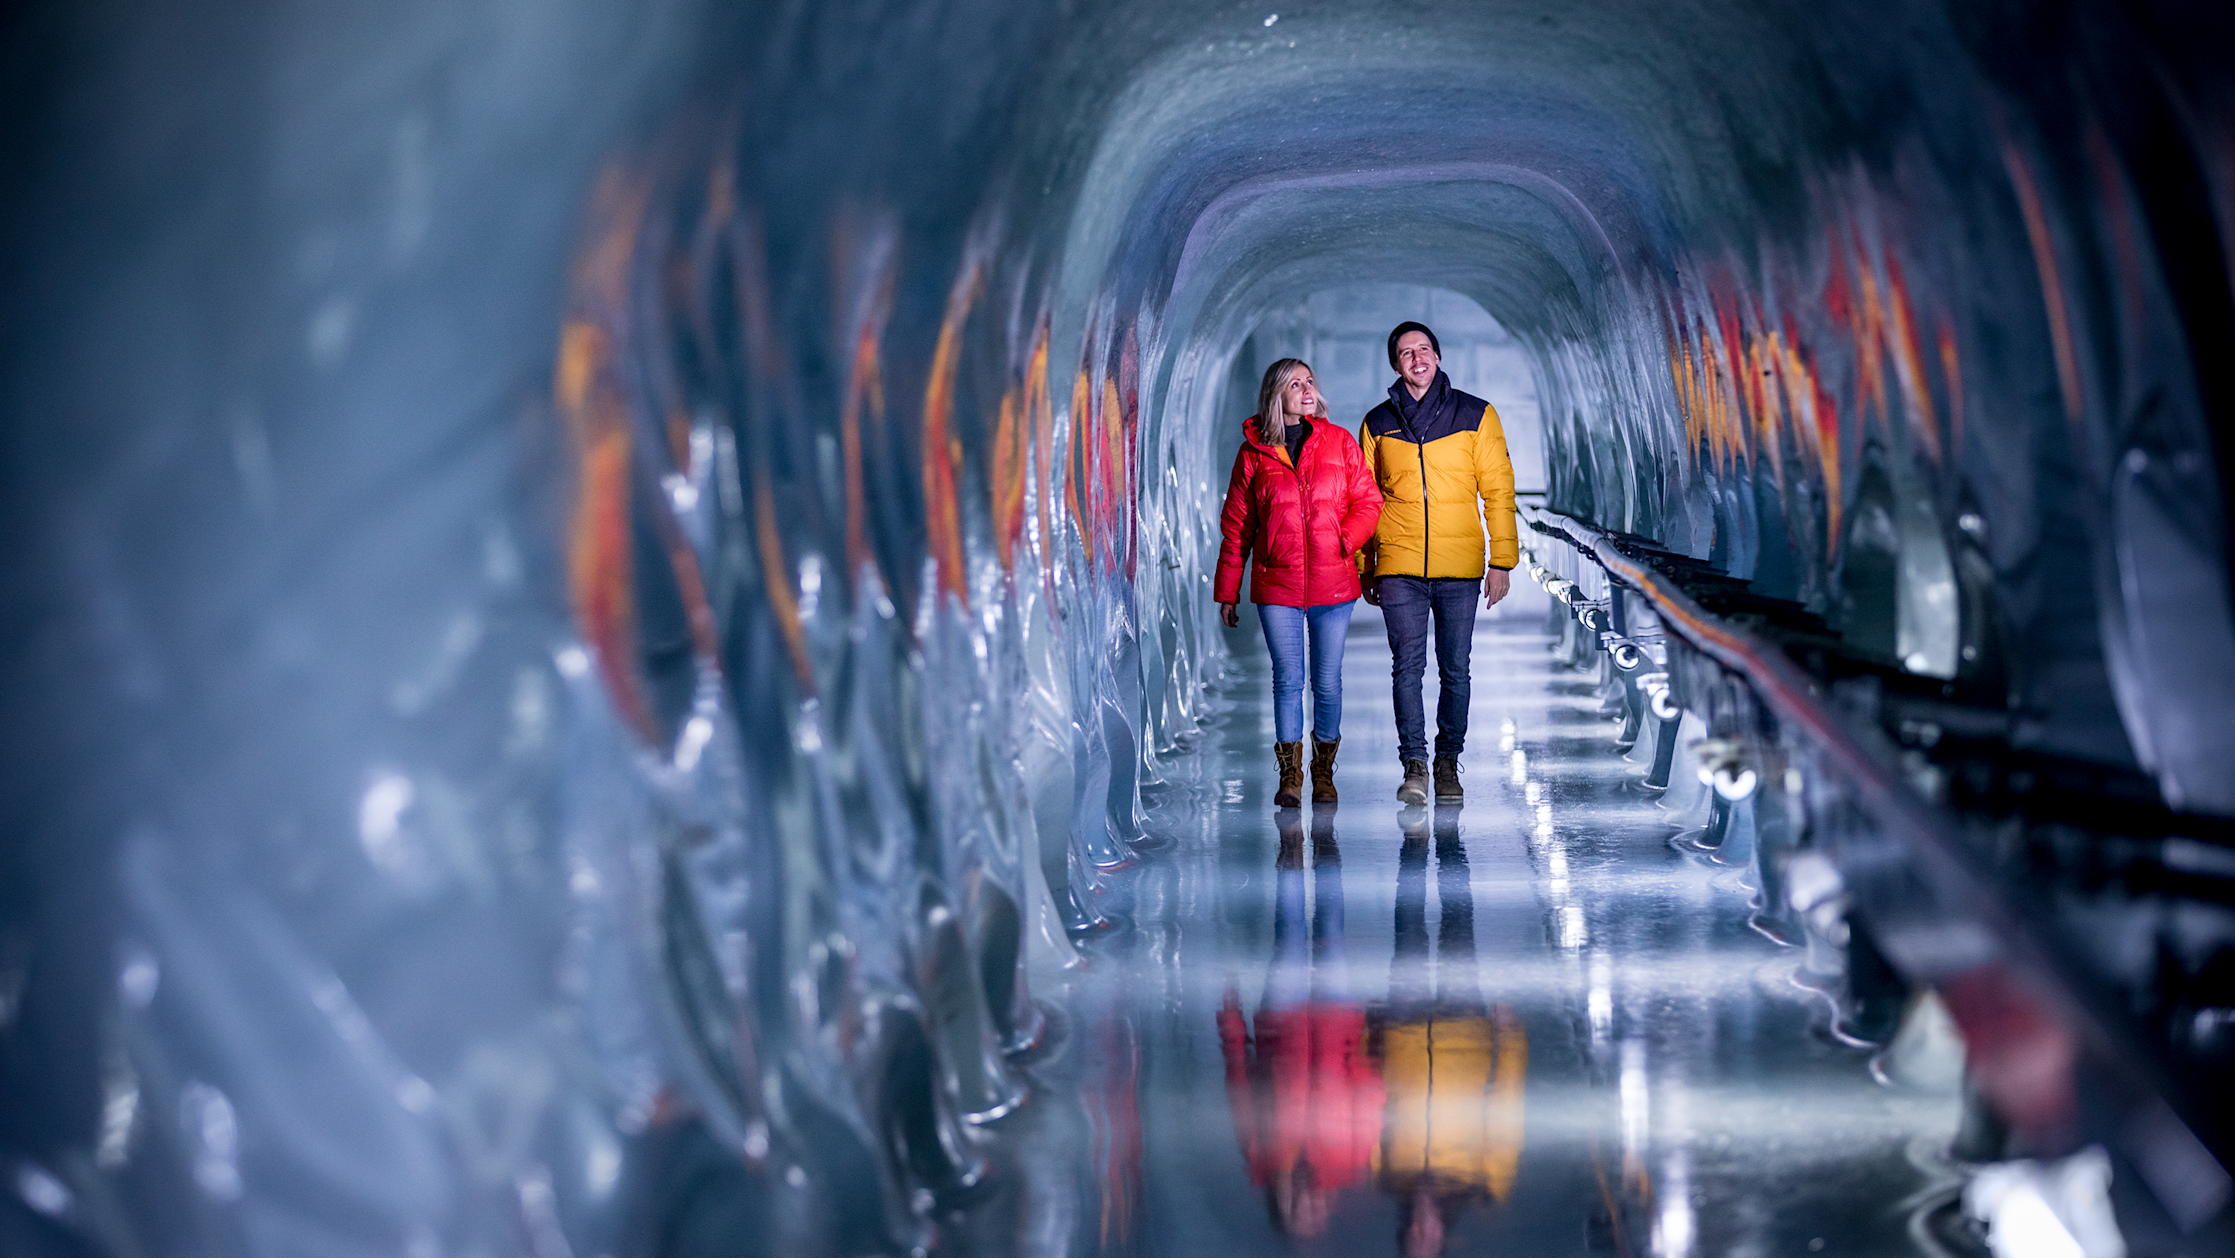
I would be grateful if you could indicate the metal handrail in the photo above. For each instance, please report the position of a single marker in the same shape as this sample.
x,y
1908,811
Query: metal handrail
x,y
1958,878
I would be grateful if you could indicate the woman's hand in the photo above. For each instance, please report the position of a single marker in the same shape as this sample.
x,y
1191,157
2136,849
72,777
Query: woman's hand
x,y
1371,587
1231,617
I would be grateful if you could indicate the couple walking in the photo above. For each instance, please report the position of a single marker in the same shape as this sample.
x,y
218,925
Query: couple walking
x,y
1396,514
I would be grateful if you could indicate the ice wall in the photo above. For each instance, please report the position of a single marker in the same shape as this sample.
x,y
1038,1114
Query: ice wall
x,y
597,584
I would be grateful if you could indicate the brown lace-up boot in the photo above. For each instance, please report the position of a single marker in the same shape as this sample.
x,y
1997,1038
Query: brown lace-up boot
x,y
1291,758
1323,770
1414,789
1447,780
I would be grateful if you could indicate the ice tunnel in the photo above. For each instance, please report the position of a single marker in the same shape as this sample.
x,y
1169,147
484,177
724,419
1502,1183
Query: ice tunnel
x,y
610,641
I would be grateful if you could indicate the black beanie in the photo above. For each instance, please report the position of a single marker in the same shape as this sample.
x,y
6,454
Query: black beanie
x,y
1409,326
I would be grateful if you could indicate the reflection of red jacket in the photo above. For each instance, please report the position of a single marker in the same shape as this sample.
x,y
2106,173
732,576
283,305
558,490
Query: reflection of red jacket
x,y
1311,1094
1300,527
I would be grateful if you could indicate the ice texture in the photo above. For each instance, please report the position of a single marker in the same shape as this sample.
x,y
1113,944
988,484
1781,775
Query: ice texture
x,y
594,588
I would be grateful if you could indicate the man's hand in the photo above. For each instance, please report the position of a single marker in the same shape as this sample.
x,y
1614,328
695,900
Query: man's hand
x,y
1231,617
1495,584
1372,588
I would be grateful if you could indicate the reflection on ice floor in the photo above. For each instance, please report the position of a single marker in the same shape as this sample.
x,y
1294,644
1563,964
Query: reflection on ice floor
x,y
1513,1027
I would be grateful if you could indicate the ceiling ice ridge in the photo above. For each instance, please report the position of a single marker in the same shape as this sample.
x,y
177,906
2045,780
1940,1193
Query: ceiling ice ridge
x,y
1228,205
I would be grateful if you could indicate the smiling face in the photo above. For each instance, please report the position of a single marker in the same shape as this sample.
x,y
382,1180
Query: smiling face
x,y
1417,361
1300,396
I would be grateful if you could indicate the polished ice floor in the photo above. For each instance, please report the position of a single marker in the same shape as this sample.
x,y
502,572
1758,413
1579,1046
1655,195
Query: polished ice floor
x,y
1531,1025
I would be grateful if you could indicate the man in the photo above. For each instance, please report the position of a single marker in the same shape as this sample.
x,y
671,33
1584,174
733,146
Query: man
x,y
1439,456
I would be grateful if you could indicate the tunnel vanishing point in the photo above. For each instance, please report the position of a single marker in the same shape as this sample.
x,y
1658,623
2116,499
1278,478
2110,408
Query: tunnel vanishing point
x,y
608,606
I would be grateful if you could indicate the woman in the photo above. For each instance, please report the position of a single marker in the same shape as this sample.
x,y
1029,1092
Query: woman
x,y
1298,507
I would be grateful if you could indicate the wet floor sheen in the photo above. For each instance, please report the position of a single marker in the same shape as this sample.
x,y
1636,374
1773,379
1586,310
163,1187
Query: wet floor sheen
x,y
1529,1025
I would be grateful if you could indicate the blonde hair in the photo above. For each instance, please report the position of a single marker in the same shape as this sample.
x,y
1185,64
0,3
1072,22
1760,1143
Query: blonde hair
x,y
1277,377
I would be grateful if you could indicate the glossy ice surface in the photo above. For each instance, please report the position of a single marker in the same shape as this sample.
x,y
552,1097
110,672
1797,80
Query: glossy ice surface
x,y
1620,1064
596,590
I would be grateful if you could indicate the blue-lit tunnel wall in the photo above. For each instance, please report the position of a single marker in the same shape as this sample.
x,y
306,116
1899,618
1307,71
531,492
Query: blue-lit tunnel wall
x,y
591,572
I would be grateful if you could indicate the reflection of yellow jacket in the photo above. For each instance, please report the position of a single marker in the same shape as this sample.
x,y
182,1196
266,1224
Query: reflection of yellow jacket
x,y
1454,1115
1433,470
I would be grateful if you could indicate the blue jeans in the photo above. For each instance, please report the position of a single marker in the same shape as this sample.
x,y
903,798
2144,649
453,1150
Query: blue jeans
x,y
1407,605
1284,637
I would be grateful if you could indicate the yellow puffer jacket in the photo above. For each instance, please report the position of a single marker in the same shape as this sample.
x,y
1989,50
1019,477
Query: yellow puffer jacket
x,y
1434,468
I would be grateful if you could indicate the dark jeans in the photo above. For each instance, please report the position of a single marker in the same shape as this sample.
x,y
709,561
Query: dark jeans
x,y
1407,605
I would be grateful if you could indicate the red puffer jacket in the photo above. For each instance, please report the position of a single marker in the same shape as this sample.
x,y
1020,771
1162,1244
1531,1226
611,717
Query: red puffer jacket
x,y
1300,527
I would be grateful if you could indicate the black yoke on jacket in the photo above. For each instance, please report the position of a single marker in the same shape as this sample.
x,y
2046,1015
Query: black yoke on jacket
x,y
1461,413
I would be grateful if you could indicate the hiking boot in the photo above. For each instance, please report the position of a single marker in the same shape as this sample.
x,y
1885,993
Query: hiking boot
x,y
1323,770
1291,758
1447,780
1414,789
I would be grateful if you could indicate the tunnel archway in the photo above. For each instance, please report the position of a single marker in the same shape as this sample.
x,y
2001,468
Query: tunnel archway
x,y
657,557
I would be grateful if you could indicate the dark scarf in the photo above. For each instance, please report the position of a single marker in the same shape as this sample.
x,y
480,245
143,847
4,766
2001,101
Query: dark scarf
x,y
1432,410
1292,437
